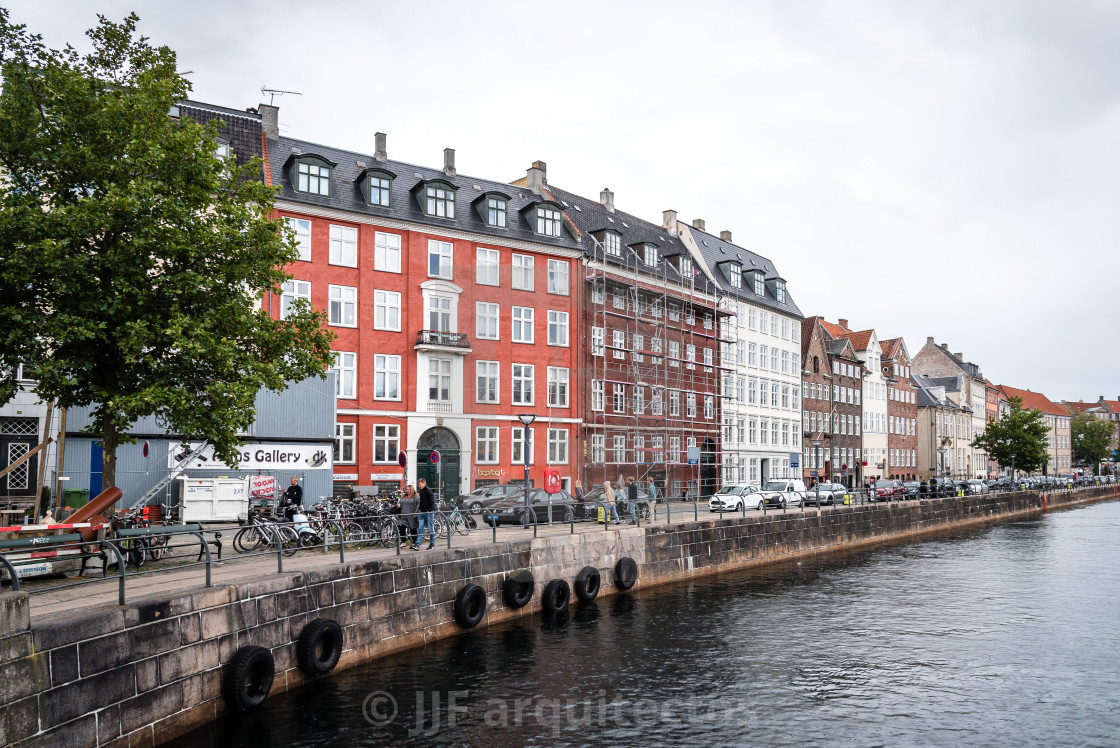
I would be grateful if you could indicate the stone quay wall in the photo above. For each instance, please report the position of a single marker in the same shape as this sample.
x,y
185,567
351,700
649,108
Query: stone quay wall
x,y
149,671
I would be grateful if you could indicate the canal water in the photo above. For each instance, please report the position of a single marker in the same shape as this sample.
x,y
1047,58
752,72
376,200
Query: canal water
x,y
1000,636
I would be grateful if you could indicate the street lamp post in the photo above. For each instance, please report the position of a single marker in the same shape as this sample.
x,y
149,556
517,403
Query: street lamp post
x,y
817,464
526,421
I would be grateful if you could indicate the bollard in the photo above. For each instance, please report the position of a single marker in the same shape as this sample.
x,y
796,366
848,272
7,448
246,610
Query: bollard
x,y
397,537
493,528
279,554
695,510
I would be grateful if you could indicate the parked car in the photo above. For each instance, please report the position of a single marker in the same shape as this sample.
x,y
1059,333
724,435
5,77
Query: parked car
x,y
734,498
783,492
480,498
828,493
889,490
975,487
913,488
510,510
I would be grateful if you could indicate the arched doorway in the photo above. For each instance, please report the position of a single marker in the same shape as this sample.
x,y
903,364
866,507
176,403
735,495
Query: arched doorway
x,y
442,477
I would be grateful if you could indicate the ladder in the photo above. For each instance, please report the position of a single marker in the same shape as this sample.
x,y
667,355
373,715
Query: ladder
x,y
172,474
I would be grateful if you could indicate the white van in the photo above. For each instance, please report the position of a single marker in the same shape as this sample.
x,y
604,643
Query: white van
x,y
783,492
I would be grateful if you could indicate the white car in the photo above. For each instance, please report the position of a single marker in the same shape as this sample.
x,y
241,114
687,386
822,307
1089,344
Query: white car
x,y
734,498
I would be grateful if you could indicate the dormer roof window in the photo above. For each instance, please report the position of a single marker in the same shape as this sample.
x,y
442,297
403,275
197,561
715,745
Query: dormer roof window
x,y
311,174
649,254
735,274
377,186
548,221
612,243
685,266
496,212
436,198
780,291
759,284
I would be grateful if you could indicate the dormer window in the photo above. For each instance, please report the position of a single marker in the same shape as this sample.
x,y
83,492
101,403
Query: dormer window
x,y
780,292
439,201
735,275
686,267
313,177
496,212
612,243
649,255
379,190
759,285
548,221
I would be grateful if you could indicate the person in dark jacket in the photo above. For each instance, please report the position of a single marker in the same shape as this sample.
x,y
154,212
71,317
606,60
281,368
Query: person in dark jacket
x,y
427,510
632,499
293,494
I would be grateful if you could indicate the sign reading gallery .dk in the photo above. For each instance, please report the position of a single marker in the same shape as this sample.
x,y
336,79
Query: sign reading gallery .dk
x,y
267,456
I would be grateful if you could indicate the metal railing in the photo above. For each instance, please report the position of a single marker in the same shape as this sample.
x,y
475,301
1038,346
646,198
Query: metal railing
x,y
445,339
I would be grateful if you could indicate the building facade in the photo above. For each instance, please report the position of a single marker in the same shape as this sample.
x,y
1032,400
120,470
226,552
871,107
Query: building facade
x,y
848,373
1057,418
944,428
936,361
866,345
760,331
455,304
817,403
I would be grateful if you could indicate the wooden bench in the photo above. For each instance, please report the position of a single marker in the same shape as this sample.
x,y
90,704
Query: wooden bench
x,y
69,547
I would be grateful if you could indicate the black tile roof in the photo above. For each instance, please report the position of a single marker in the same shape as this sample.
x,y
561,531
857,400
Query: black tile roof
x,y
241,129
925,398
716,250
346,193
591,216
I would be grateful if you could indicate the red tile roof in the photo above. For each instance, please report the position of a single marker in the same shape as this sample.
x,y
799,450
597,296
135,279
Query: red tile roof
x,y
835,331
891,348
861,339
1113,405
1080,407
1034,400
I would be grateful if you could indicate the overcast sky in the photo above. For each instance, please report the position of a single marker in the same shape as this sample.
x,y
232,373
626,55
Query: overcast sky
x,y
945,169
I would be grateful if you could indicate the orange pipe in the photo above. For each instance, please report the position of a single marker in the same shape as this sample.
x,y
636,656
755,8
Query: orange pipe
x,y
1043,503
101,503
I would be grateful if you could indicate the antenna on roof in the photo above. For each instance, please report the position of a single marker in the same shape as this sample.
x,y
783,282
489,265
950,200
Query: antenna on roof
x,y
272,93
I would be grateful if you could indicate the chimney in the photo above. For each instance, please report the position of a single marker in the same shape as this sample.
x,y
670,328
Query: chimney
x,y
270,120
959,355
606,197
698,223
945,347
449,161
669,221
536,176
843,323
379,152
726,236
929,340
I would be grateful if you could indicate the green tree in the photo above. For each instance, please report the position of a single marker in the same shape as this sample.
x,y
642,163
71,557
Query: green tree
x,y
134,258
1020,436
1091,439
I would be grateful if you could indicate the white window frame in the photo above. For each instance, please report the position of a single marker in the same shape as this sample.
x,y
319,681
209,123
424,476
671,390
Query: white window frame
x,y
387,369
385,302
598,395
558,322
489,372
487,320
521,320
345,367
292,290
598,344
548,222
302,229
440,369
598,448
390,436
558,385
444,254
486,445
343,247
618,340
523,272
558,277
386,252
345,436
487,266
516,446
558,446
337,295
523,375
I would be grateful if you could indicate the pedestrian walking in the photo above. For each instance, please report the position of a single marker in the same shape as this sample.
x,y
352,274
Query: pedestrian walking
x,y
409,505
608,501
632,500
427,508
651,492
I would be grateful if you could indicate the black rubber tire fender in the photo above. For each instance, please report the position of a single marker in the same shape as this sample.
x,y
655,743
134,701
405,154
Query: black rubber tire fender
x,y
248,678
320,636
470,606
518,589
625,573
556,596
587,584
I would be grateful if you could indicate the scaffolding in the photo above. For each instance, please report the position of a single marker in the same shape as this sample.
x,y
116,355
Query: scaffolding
x,y
656,336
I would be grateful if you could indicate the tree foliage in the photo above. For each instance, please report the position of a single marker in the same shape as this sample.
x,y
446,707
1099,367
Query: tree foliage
x,y
1021,434
1091,438
134,258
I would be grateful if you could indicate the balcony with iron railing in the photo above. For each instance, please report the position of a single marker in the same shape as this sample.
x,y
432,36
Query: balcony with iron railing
x,y
453,342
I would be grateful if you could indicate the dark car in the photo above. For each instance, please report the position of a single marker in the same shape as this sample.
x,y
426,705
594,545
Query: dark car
x,y
889,490
828,493
510,510
913,488
480,498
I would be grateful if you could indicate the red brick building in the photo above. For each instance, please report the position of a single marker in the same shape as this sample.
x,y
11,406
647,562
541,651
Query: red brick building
x,y
902,412
817,402
455,302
